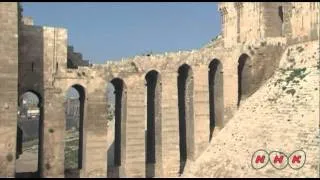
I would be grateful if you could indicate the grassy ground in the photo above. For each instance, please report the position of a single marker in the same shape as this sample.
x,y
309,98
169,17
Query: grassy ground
x,y
31,145
71,148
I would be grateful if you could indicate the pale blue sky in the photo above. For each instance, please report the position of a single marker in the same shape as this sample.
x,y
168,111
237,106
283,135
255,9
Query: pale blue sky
x,y
108,31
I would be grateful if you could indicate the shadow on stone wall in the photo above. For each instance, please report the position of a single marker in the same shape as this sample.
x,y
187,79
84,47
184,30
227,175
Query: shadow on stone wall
x,y
30,79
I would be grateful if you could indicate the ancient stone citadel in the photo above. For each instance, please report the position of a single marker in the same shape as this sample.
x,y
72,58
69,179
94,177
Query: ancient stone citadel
x,y
187,98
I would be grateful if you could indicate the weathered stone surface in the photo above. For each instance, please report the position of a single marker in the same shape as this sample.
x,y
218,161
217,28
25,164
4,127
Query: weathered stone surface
x,y
9,86
270,120
38,59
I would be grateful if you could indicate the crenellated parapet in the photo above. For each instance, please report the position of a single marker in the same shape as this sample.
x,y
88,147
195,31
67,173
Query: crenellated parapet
x,y
75,59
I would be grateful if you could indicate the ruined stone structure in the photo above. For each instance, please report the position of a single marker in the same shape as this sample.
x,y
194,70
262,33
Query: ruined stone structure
x,y
186,97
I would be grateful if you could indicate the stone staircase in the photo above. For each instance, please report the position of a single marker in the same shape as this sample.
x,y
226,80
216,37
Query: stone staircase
x,y
282,115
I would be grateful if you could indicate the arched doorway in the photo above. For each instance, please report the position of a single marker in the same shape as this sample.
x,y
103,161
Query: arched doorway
x,y
73,150
117,111
185,104
215,78
29,130
244,76
153,124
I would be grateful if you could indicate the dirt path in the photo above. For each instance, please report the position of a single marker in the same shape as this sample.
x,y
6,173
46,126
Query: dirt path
x,y
27,162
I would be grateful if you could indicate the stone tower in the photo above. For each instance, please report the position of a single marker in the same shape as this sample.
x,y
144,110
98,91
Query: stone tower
x,y
9,86
243,22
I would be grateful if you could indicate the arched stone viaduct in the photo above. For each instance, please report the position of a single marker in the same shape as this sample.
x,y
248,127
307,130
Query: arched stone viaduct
x,y
185,97
182,99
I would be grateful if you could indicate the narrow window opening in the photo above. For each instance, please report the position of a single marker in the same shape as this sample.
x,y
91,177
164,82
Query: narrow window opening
x,y
185,104
153,148
280,11
57,67
32,67
117,121
215,78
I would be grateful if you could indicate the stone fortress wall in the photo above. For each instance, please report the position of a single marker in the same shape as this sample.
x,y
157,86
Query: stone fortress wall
x,y
34,58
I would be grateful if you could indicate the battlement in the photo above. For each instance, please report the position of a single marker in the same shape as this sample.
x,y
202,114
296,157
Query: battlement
x,y
75,59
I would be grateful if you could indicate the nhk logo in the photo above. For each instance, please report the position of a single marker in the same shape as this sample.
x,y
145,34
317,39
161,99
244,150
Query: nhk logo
x,y
278,159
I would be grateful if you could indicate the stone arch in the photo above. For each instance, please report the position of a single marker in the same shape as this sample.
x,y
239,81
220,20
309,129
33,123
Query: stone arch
x,y
244,77
116,151
74,136
153,133
151,70
135,66
216,98
186,114
30,133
